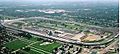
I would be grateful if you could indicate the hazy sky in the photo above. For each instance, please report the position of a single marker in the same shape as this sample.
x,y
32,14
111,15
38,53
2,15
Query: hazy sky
x,y
63,0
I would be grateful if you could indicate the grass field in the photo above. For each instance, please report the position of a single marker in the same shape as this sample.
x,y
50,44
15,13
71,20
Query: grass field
x,y
15,44
36,47
47,47
32,51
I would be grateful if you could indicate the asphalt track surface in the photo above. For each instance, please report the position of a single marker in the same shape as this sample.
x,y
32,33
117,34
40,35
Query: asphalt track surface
x,y
56,38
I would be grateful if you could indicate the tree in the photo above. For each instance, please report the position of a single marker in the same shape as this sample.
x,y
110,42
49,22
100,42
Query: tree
x,y
38,39
28,36
50,33
27,49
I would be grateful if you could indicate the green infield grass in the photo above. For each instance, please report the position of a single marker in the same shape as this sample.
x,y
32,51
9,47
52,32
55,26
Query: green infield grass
x,y
46,47
14,45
